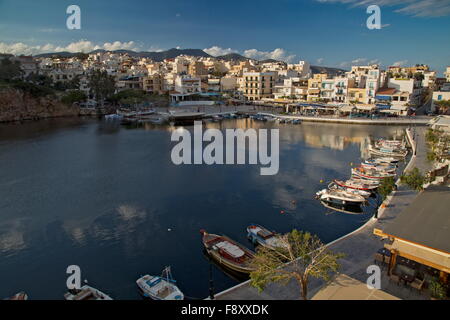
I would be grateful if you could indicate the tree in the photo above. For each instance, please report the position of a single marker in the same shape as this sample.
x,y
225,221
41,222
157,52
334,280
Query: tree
x,y
386,186
10,70
305,256
101,85
419,76
74,96
414,179
443,106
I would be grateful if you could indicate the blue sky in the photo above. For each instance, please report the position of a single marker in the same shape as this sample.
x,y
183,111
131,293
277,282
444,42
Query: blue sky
x,y
324,32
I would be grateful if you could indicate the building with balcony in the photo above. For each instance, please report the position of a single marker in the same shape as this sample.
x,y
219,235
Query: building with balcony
x,y
258,85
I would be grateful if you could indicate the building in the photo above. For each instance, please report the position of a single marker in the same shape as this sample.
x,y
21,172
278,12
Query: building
x,y
153,84
258,85
447,74
440,95
421,234
314,85
357,95
411,86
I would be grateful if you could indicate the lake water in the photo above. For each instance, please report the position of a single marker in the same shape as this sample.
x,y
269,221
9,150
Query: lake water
x,y
109,199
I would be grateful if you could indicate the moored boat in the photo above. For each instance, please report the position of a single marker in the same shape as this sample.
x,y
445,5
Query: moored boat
x,y
371,174
335,186
260,235
160,287
228,252
340,197
357,184
18,296
86,293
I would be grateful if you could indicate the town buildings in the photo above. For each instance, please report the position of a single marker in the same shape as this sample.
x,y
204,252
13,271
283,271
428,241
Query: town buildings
x,y
397,90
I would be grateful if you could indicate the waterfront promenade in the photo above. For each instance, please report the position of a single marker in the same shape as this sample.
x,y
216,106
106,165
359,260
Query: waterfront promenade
x,y
359,246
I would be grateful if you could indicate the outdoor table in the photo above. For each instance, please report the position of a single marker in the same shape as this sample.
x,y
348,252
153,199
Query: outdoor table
x,y
407,278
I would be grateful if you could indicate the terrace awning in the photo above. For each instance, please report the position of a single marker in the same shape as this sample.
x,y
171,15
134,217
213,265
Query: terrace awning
x,y
386,98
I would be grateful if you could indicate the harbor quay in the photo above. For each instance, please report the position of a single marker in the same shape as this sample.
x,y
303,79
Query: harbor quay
x,y
359,246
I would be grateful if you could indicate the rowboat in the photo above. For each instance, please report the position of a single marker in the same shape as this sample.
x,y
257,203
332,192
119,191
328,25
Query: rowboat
x,y
340,197
379,167
228,252
350,209
86,293
18,296
335,186
383,160
356,184
388,152
371,174
260,235
160,287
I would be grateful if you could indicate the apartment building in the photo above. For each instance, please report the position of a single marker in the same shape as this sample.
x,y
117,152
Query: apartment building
x,y
293,88
258,85
447,74
153,84
314,85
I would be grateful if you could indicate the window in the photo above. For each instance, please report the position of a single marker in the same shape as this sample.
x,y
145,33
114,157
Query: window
x,y
440,97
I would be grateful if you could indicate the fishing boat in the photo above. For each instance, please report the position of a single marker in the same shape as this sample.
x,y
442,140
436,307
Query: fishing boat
x,y
371,174
228,252
296,121
349,209
160,287
18,296
357,184
379,167
335,186
260,235
86,293
340,197
383,160
391,152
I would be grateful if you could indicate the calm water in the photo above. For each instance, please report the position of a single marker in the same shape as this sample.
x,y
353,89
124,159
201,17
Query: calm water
x,y
110,200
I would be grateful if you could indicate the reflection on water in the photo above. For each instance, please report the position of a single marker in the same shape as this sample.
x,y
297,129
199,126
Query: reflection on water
x,y
110,200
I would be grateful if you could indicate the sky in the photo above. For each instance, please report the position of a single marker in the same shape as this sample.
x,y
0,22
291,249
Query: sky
x,y
324,32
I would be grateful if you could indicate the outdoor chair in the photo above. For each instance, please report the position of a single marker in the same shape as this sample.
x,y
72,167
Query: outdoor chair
x,y
417,284
395,278
379,258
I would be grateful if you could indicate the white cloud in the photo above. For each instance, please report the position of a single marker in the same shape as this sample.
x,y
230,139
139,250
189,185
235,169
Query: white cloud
x,y
320,60
277,54
400,63
218,51
79,46
416,8
359,62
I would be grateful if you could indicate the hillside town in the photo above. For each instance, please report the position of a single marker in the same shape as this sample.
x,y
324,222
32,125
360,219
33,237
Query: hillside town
x,y
299,87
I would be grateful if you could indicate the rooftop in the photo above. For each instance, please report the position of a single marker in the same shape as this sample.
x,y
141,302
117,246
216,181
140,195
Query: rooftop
x,y
426,221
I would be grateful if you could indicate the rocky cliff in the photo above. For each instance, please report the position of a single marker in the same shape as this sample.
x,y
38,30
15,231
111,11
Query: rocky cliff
x,y
17,105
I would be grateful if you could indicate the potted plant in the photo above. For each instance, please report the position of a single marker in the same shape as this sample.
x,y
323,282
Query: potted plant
x,y
437,290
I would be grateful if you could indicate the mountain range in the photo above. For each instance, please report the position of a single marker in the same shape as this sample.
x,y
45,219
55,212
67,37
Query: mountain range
x,y
173,53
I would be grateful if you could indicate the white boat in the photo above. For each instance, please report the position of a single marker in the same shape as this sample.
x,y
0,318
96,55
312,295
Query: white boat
x,y
379,167
18,296
160,287
86,293
335,186
383,160
264,237
371,174
388,152
358,184
340,197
